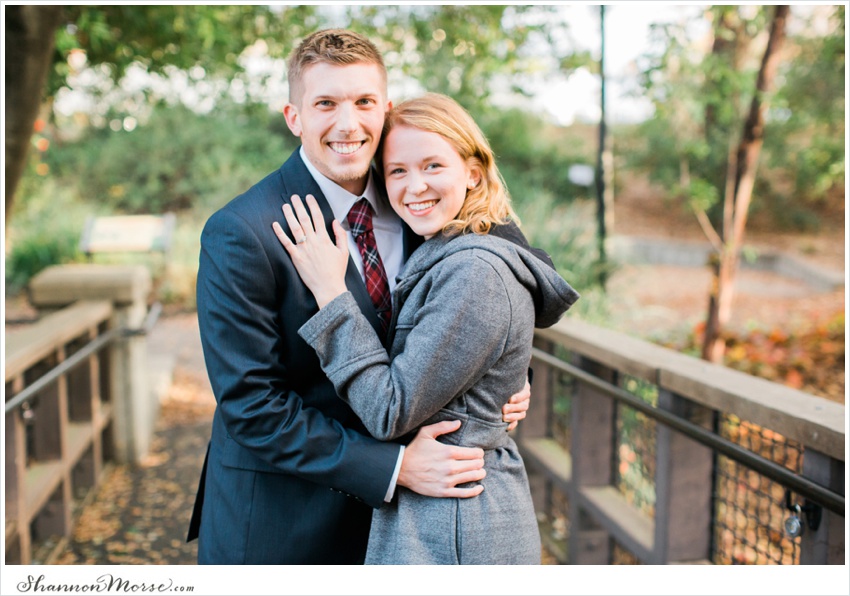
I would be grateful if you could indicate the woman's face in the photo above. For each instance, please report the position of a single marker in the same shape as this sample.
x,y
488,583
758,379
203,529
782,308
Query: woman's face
x,y
426,178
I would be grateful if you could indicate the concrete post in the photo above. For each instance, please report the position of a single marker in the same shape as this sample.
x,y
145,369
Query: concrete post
x,y
128,287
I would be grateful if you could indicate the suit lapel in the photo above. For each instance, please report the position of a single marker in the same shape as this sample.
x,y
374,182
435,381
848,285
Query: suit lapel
x,y
297,180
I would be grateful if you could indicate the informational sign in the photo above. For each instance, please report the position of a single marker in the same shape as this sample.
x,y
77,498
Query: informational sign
x,y
128,233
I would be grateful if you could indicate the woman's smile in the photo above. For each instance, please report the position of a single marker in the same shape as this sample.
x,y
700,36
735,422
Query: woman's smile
x,y
422,208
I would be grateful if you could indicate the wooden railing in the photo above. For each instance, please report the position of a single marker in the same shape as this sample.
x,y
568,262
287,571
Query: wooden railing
x,y
58,414
639,454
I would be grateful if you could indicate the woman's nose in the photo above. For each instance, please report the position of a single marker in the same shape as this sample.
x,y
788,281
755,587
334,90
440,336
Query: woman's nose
x,y
416,185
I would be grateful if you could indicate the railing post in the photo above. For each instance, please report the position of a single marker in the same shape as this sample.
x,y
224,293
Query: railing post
x,y
824,546
84,407
536,425
592,449
683,486
128,287
51,424
15,489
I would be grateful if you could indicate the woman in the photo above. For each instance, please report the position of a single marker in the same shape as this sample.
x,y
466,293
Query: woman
x,y
464,311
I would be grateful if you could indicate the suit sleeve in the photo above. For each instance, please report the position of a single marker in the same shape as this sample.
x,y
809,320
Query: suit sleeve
x,y
238,308
452,344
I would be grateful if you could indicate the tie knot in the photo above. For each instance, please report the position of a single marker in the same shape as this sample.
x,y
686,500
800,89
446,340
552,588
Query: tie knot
x,y
360,217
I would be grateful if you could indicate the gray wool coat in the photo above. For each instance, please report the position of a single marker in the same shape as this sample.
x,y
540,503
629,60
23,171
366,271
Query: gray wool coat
x,y
464,313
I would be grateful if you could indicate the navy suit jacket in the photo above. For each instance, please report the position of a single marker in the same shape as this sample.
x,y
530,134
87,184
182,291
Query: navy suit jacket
x,y
291,474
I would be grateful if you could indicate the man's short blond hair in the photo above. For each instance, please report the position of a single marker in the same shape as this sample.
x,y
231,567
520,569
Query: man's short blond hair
x,y
339,47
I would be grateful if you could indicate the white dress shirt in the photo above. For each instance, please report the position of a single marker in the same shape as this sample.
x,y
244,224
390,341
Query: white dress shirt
x,y
389,235
385,222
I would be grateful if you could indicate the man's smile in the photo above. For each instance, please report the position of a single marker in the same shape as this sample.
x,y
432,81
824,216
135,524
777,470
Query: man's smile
x,y
345,148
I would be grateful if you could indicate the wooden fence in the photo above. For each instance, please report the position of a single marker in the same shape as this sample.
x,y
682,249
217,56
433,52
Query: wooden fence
x,y
58,417
78,394
639,454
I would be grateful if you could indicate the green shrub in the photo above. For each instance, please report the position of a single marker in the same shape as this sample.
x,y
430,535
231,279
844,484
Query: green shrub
x,y
567,234
44,229
38,250
175,161
534,155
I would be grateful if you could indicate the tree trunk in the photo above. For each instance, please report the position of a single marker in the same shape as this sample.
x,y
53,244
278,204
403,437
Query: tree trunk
x,y
726,264
29,54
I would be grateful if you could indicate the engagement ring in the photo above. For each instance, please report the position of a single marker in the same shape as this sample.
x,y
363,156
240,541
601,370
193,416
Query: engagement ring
x,y
301,240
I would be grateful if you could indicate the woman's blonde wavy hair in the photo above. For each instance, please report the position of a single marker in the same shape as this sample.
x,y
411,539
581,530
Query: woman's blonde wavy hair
x,y
488,203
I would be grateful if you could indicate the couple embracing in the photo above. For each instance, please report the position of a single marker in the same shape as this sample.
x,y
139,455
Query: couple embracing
x,y
367,332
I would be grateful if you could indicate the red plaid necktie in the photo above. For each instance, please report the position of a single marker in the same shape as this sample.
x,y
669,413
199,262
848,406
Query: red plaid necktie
x,y
360,221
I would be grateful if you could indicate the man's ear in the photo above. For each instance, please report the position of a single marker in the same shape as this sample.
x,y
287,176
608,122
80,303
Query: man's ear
x,y
293,119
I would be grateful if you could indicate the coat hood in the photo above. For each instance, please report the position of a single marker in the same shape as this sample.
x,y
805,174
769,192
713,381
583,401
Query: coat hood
x,y
552,295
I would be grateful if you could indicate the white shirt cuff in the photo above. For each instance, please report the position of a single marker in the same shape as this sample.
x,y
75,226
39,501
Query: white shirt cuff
x,y
394,479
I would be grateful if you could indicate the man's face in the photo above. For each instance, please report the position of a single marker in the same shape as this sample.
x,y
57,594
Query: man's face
x,y
339,119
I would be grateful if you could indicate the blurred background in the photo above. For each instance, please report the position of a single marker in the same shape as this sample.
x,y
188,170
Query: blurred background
x,y
627,135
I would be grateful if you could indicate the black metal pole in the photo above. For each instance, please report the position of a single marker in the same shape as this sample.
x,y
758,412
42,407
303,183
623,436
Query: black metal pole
x,y
600,167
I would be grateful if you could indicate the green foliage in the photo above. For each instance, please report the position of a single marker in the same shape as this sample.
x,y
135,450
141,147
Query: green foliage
x,y
463,50
566,233
38,251
534,155
46,231
157,36
805,141
177,160
700,101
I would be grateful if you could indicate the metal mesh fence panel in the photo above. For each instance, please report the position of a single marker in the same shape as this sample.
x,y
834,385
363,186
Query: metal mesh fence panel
x,y
749,508
634,467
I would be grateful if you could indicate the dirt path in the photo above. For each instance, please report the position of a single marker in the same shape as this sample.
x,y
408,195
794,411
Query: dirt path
x,y
652,301
140,514
656,301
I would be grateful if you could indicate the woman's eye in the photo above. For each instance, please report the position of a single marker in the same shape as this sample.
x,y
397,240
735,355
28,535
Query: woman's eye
x,y
432,166
397,171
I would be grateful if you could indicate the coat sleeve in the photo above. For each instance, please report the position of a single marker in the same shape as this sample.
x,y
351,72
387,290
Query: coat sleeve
x,y
240,324
459,333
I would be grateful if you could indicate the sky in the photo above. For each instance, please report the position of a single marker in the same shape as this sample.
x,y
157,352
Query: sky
x,y
627,34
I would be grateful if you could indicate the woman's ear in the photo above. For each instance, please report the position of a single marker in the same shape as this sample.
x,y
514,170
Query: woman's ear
x,y
474,176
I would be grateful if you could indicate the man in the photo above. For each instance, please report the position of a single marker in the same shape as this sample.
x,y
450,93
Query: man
x,y
291,474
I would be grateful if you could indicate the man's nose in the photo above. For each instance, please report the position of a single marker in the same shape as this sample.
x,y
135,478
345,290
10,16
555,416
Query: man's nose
x,y
347,118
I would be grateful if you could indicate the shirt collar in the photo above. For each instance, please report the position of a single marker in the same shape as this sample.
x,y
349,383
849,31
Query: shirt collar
x,y
340,200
